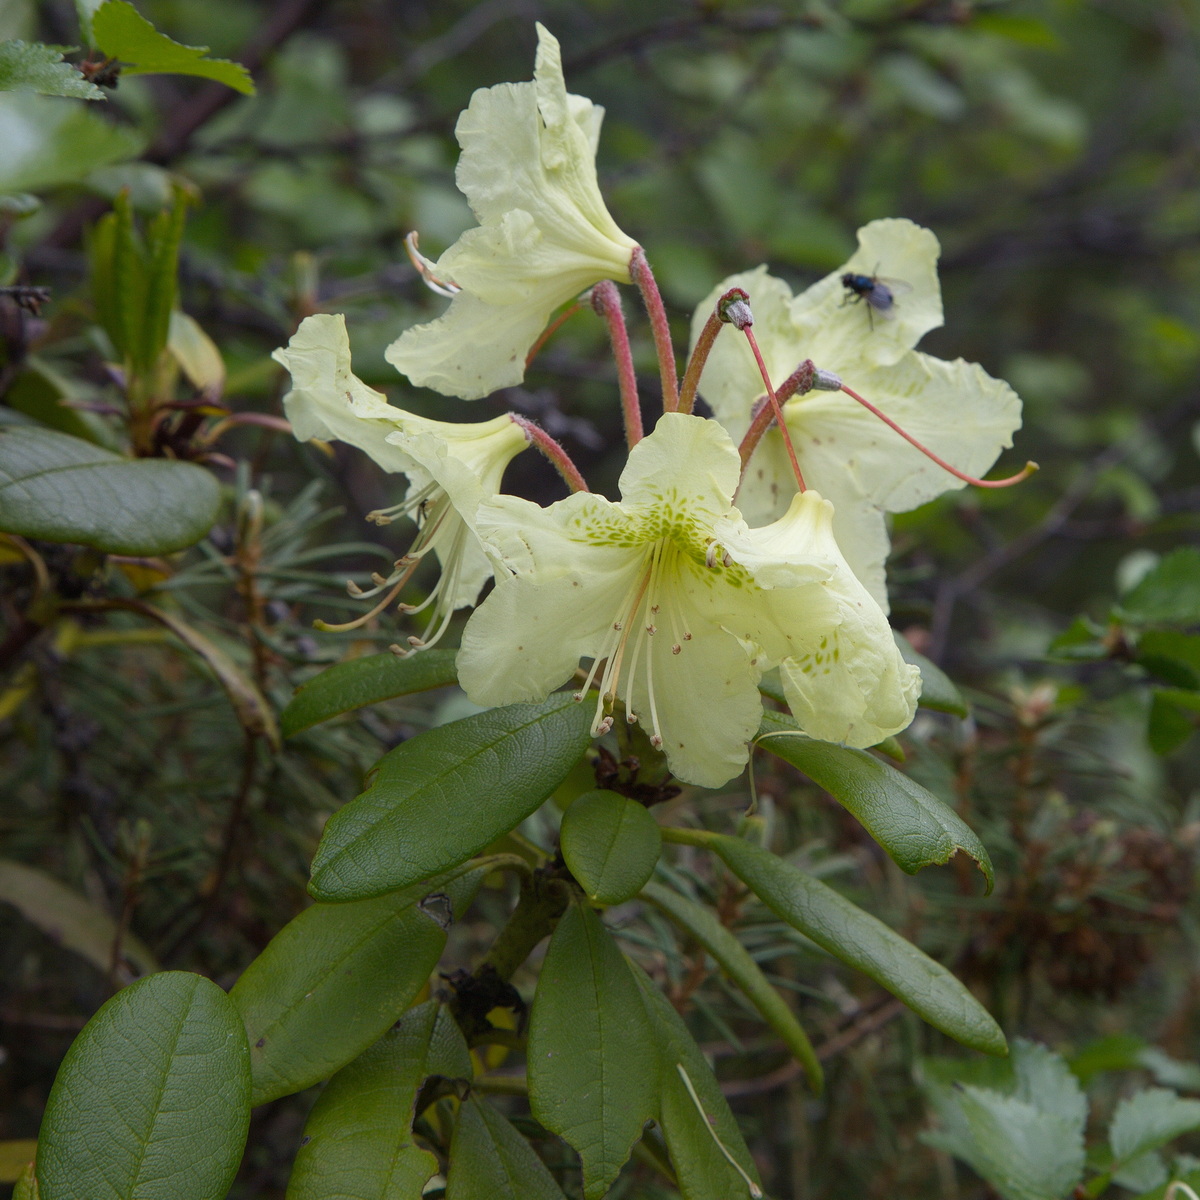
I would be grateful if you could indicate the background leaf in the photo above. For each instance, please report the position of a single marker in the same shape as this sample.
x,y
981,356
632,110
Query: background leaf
x,y
1148,1120
70,919
62,489
152,1101
446,794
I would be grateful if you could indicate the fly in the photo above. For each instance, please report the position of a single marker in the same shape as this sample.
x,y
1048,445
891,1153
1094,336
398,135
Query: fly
x,y
879,293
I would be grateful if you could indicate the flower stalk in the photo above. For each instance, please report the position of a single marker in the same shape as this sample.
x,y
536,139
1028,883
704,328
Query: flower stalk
x,y
606,300
553,450
639,269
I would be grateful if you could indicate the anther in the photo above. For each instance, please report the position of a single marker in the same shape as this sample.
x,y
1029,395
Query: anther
x,y
378,580
604,726
631,718
676,648
651,629
656,741
710,555
353,587
617,625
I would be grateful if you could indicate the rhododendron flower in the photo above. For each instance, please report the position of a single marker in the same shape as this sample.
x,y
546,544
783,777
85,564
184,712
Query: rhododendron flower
x,y
681,607
451,468
528,170
846,453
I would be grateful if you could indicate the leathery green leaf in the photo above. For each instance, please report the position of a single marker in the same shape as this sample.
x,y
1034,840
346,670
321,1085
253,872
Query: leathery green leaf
x,y
857,939
708,1152
335,977
358,1142
489,1158
937,691
63,489
444,795
592,1056
909,822
152,1101
610,843
362,681
734,959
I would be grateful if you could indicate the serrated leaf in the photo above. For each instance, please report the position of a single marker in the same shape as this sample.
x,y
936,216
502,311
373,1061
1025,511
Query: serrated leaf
x,y
489,1158
70,919
33,67
859,940
592,1058
358,1142
361,681
695,1135
1148,1120
1191,1178
332,980
123,33
937,690
48,143
909,822
1024,1152
62,489
152,1101
1025,1136
444,795
734,959
1170,592
610,844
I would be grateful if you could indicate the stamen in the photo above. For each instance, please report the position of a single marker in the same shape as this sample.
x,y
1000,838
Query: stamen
x,y
425,268
1019,477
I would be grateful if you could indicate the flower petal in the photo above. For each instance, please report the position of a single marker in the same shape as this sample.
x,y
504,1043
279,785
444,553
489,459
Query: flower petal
x,y
837,332
328,401
843,677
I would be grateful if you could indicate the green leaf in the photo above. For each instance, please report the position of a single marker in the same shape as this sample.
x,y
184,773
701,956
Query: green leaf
x,y
197,354
63,489
1170,592
610,844
45,394
1172,656
937,691
361,681
32,67
446,794
911,824
70,919
694,1135
162,266
592,1058
1191,1178
27,1185
358,1142
1027,1140
490,1159
333,979
1148,1120
152,1101
123,33
857,939
1169,725
48,143
734,959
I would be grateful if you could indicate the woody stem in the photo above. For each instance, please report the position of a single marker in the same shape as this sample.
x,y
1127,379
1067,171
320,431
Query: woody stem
x,y
606,300
639,269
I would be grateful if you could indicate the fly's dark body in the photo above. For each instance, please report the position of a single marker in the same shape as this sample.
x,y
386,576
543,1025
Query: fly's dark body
x,y
869,288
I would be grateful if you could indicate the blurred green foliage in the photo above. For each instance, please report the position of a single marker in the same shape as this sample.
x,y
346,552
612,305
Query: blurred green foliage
x,y
1052,145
